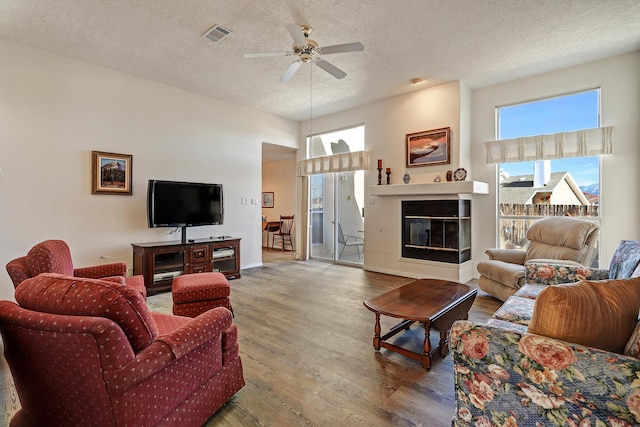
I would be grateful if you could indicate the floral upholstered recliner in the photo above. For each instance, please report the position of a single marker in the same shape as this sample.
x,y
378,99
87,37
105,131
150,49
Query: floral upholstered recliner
x,y
515,371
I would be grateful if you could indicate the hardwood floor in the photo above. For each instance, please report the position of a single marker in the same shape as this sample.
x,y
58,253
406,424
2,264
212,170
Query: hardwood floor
x,y
306,347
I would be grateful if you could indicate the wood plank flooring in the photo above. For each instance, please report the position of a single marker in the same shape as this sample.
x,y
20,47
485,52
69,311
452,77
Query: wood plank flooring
x,y
306,347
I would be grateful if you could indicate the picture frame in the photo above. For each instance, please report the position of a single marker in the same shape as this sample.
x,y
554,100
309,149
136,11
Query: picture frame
x,y
429,148
111,173
267,199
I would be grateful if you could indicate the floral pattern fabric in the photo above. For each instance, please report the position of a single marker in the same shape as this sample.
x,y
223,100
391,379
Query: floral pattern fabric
x,y
529,290
625,261
507,325
506,378
555,274
633,345
516,310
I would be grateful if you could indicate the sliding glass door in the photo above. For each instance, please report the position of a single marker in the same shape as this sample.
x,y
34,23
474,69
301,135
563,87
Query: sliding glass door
x,y
350,217
322,216
336,202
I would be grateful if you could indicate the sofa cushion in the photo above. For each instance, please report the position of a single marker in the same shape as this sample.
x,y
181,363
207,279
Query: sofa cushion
x,y
516,327
59,294
511,275
516,310
600,314
530,291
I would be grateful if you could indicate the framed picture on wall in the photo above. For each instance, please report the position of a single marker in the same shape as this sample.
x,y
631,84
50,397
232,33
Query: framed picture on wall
x,y
267,199
111,173
428,148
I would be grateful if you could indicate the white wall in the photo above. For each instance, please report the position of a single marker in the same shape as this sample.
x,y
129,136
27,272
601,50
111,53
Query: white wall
x,y
55,110
620,105
386,125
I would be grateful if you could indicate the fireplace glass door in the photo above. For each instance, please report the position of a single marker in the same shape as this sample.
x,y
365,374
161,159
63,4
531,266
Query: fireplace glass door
x,y
437,230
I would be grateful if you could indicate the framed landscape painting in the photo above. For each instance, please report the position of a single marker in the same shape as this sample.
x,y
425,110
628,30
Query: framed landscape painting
x,y
428,148
111,173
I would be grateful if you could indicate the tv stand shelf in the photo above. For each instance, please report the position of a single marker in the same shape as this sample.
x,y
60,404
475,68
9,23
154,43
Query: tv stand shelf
x,y
161,262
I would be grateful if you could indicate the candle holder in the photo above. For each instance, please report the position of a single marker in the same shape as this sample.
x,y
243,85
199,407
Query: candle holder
x,y
379,176
388,177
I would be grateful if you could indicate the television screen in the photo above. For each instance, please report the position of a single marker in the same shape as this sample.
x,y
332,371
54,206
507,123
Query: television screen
x,y
181,204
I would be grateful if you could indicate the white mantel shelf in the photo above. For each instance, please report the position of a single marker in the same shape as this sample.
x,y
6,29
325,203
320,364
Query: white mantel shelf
x,y
454,187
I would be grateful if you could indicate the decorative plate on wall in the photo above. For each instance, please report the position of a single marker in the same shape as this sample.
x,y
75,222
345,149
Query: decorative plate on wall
x,y
460,174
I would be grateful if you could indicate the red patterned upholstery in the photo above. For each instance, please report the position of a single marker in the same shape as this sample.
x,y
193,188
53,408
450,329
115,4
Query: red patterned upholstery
x,y
54,256
193,294
87,352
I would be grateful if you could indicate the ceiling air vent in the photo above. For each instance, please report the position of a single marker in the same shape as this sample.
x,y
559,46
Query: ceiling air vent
x,y
216,33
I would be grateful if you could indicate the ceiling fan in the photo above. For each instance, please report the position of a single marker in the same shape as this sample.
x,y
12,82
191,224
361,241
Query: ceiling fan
x,y
309,51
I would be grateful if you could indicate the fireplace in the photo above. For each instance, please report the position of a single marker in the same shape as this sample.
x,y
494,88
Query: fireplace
x,y
437,230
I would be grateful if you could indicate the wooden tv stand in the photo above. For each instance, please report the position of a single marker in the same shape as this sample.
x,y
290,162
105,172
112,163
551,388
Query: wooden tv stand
x,y
160,262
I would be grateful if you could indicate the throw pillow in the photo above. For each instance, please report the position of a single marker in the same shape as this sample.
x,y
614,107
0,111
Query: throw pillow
x,y
600,314
633,345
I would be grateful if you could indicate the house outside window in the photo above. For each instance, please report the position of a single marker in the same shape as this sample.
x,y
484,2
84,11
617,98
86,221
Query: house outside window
x,y
531,190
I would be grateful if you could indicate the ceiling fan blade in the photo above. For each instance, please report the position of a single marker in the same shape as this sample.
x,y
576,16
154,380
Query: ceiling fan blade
x,y
297,34
331,69
340,48
290,71
265,54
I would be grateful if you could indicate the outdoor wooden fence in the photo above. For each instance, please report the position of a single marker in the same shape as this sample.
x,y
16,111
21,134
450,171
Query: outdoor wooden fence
x,y
513,231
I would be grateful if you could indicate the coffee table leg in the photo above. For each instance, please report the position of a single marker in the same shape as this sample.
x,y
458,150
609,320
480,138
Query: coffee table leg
x,y
376,333
426,356
443,343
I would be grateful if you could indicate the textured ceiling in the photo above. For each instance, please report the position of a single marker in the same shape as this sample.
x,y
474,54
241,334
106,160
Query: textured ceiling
x,y
481,42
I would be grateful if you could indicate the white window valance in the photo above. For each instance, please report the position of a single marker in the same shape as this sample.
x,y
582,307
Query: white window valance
x,y
579,143
343,162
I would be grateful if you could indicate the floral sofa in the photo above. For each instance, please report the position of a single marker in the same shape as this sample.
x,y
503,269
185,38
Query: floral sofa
x,y
506,373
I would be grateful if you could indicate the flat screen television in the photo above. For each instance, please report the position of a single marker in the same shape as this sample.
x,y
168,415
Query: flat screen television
x,y
184,204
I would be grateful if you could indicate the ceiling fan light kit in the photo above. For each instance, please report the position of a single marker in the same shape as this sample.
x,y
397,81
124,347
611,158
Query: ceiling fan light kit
x,y
309,51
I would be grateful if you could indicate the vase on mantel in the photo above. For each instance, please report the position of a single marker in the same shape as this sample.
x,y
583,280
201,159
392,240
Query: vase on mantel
x,y
406,177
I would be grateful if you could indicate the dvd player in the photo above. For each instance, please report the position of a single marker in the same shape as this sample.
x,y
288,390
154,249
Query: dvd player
x,y
169,275
225,253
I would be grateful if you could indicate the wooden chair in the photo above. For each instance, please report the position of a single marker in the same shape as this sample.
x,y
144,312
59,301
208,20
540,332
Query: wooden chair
x,y
286,224
271,228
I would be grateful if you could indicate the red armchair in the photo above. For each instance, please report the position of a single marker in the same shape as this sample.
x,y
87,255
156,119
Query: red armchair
x,y
54,256
89,352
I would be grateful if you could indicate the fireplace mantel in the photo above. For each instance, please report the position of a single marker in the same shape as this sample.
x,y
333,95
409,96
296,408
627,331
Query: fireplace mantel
x,y
441,188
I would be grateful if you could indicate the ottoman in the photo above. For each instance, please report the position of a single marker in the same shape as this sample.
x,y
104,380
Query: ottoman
x,y
194,294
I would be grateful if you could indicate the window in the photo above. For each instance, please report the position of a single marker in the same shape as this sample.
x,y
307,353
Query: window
x,y
533,189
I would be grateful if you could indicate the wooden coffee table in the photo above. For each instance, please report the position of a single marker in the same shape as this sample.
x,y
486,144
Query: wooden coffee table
x,y
434,303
